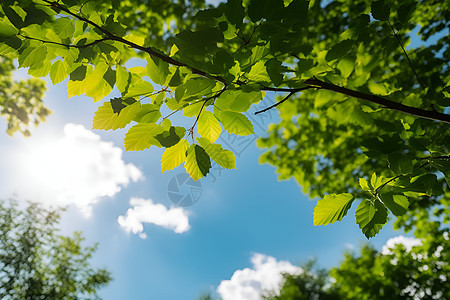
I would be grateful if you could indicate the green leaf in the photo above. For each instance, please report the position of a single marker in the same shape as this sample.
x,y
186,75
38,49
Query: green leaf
x,y
58,71
33,56
258,72
397,204
399,163
171,137
332,208
208,126
197,163
64,27
346,66
224,158
7,30
371,223
237,100
158,70
380,10
105,118
140,88
234,11
339,50
198,86
174,156
123,79
275,71
364,184
405,11
365,213
142,136
94,84
149,113
236,123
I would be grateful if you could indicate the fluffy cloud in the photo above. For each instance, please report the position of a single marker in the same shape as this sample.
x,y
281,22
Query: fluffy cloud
x,y
78,168
145,211
251,283
407,242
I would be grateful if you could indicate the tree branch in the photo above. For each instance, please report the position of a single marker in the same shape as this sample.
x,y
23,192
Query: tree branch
x,y
291,92
413,111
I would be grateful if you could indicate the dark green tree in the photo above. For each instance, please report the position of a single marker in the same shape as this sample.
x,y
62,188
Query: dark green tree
x,y
362,118
36,262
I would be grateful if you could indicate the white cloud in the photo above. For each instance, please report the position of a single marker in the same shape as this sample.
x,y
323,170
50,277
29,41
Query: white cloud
x,y
407,242
145,211
78,168
251,283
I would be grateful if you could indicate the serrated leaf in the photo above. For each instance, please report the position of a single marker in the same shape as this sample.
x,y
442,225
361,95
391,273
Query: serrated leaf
x,y
397,204
224,158
237,100
105,118
63,27
174,156
142,136
375,223
208,126
123,79
140,88
236,123
364,184
58,71
197,163
149,113
364,213
332,208
171,137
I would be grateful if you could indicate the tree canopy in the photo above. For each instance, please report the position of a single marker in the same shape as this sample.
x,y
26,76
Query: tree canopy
x,y
36,262
362,118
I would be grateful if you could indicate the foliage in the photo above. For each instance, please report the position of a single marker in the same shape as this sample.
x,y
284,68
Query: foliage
x,y
419,273
20,101
38,263
360,114
312,283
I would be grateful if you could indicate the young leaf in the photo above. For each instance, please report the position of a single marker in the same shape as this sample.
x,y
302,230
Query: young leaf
x,y
236,123
139,89
174,156
149,113
208,126
106,119
369,221
397,204
171,137
332,208
224,158
58,71
197,163
158,70
142,136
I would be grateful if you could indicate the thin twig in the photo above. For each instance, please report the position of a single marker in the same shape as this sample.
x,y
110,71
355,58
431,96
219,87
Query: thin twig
x,y
291,92
65,45
406,54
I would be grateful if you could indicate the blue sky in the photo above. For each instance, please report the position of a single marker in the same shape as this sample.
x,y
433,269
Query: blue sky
x,y
244,218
